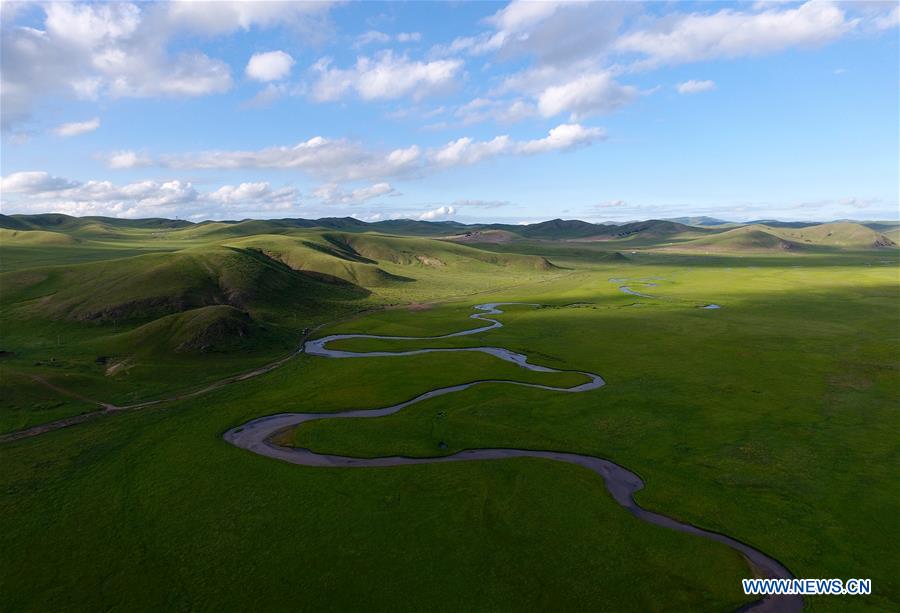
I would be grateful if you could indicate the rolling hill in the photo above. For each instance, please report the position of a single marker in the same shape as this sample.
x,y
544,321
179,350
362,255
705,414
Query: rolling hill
x,y
745,239
201,330
149,286
838,234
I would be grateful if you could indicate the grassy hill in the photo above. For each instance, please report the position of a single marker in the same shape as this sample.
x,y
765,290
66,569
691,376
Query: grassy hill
x,y
745,239
839,234
205,329
150,297
652,229
557,229
35,237
153,293
154,285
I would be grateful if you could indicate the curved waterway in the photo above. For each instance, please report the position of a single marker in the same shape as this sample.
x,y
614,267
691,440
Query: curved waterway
x,y
256,436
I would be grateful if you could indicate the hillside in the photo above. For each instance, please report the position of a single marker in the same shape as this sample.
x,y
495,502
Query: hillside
x,y
839,234
745,239
484,236
154,285
201,330
557,229
130,302
35,237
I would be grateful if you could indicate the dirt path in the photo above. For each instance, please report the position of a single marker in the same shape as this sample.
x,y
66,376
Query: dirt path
x,y
257,436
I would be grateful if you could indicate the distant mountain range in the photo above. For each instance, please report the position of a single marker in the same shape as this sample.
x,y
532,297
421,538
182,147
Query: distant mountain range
x,y
637,233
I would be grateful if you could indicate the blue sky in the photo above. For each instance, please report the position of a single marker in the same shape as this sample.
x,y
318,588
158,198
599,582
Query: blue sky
x,y
512,112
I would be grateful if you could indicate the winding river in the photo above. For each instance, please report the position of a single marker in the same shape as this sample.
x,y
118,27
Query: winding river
x,y
256,436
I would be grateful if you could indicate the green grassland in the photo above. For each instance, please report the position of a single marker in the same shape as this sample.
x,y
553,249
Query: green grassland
x,y
142,305
772,419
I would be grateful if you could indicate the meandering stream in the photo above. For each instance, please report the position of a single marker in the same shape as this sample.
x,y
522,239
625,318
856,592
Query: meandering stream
x,y
256,436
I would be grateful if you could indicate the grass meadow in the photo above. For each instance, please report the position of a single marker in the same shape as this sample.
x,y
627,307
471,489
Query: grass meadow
x,y
772,419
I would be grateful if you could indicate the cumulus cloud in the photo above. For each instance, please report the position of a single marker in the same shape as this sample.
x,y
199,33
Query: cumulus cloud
x,y
229,16
586,95
127,159
33,182
562,138
104,198
517,16
77,128
577,48
466,151
695,87
121,49
332,193
730,33
269,66
39,192
386,76
554,33
343,160
334,160
254,193
442,212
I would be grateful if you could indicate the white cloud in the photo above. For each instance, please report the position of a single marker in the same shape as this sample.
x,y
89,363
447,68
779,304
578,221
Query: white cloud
x,y
562,138
335,160
504,111
332,193
239,193
121,49
695,87
33,182
342,160
381,38
269,66
91,25
102,197
554,33
586,95
77,128
92,50
729,33
888,20
229,16
189,75
442,212
370,217
465,151
520,15
387,76
127,159
39,192
256,194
